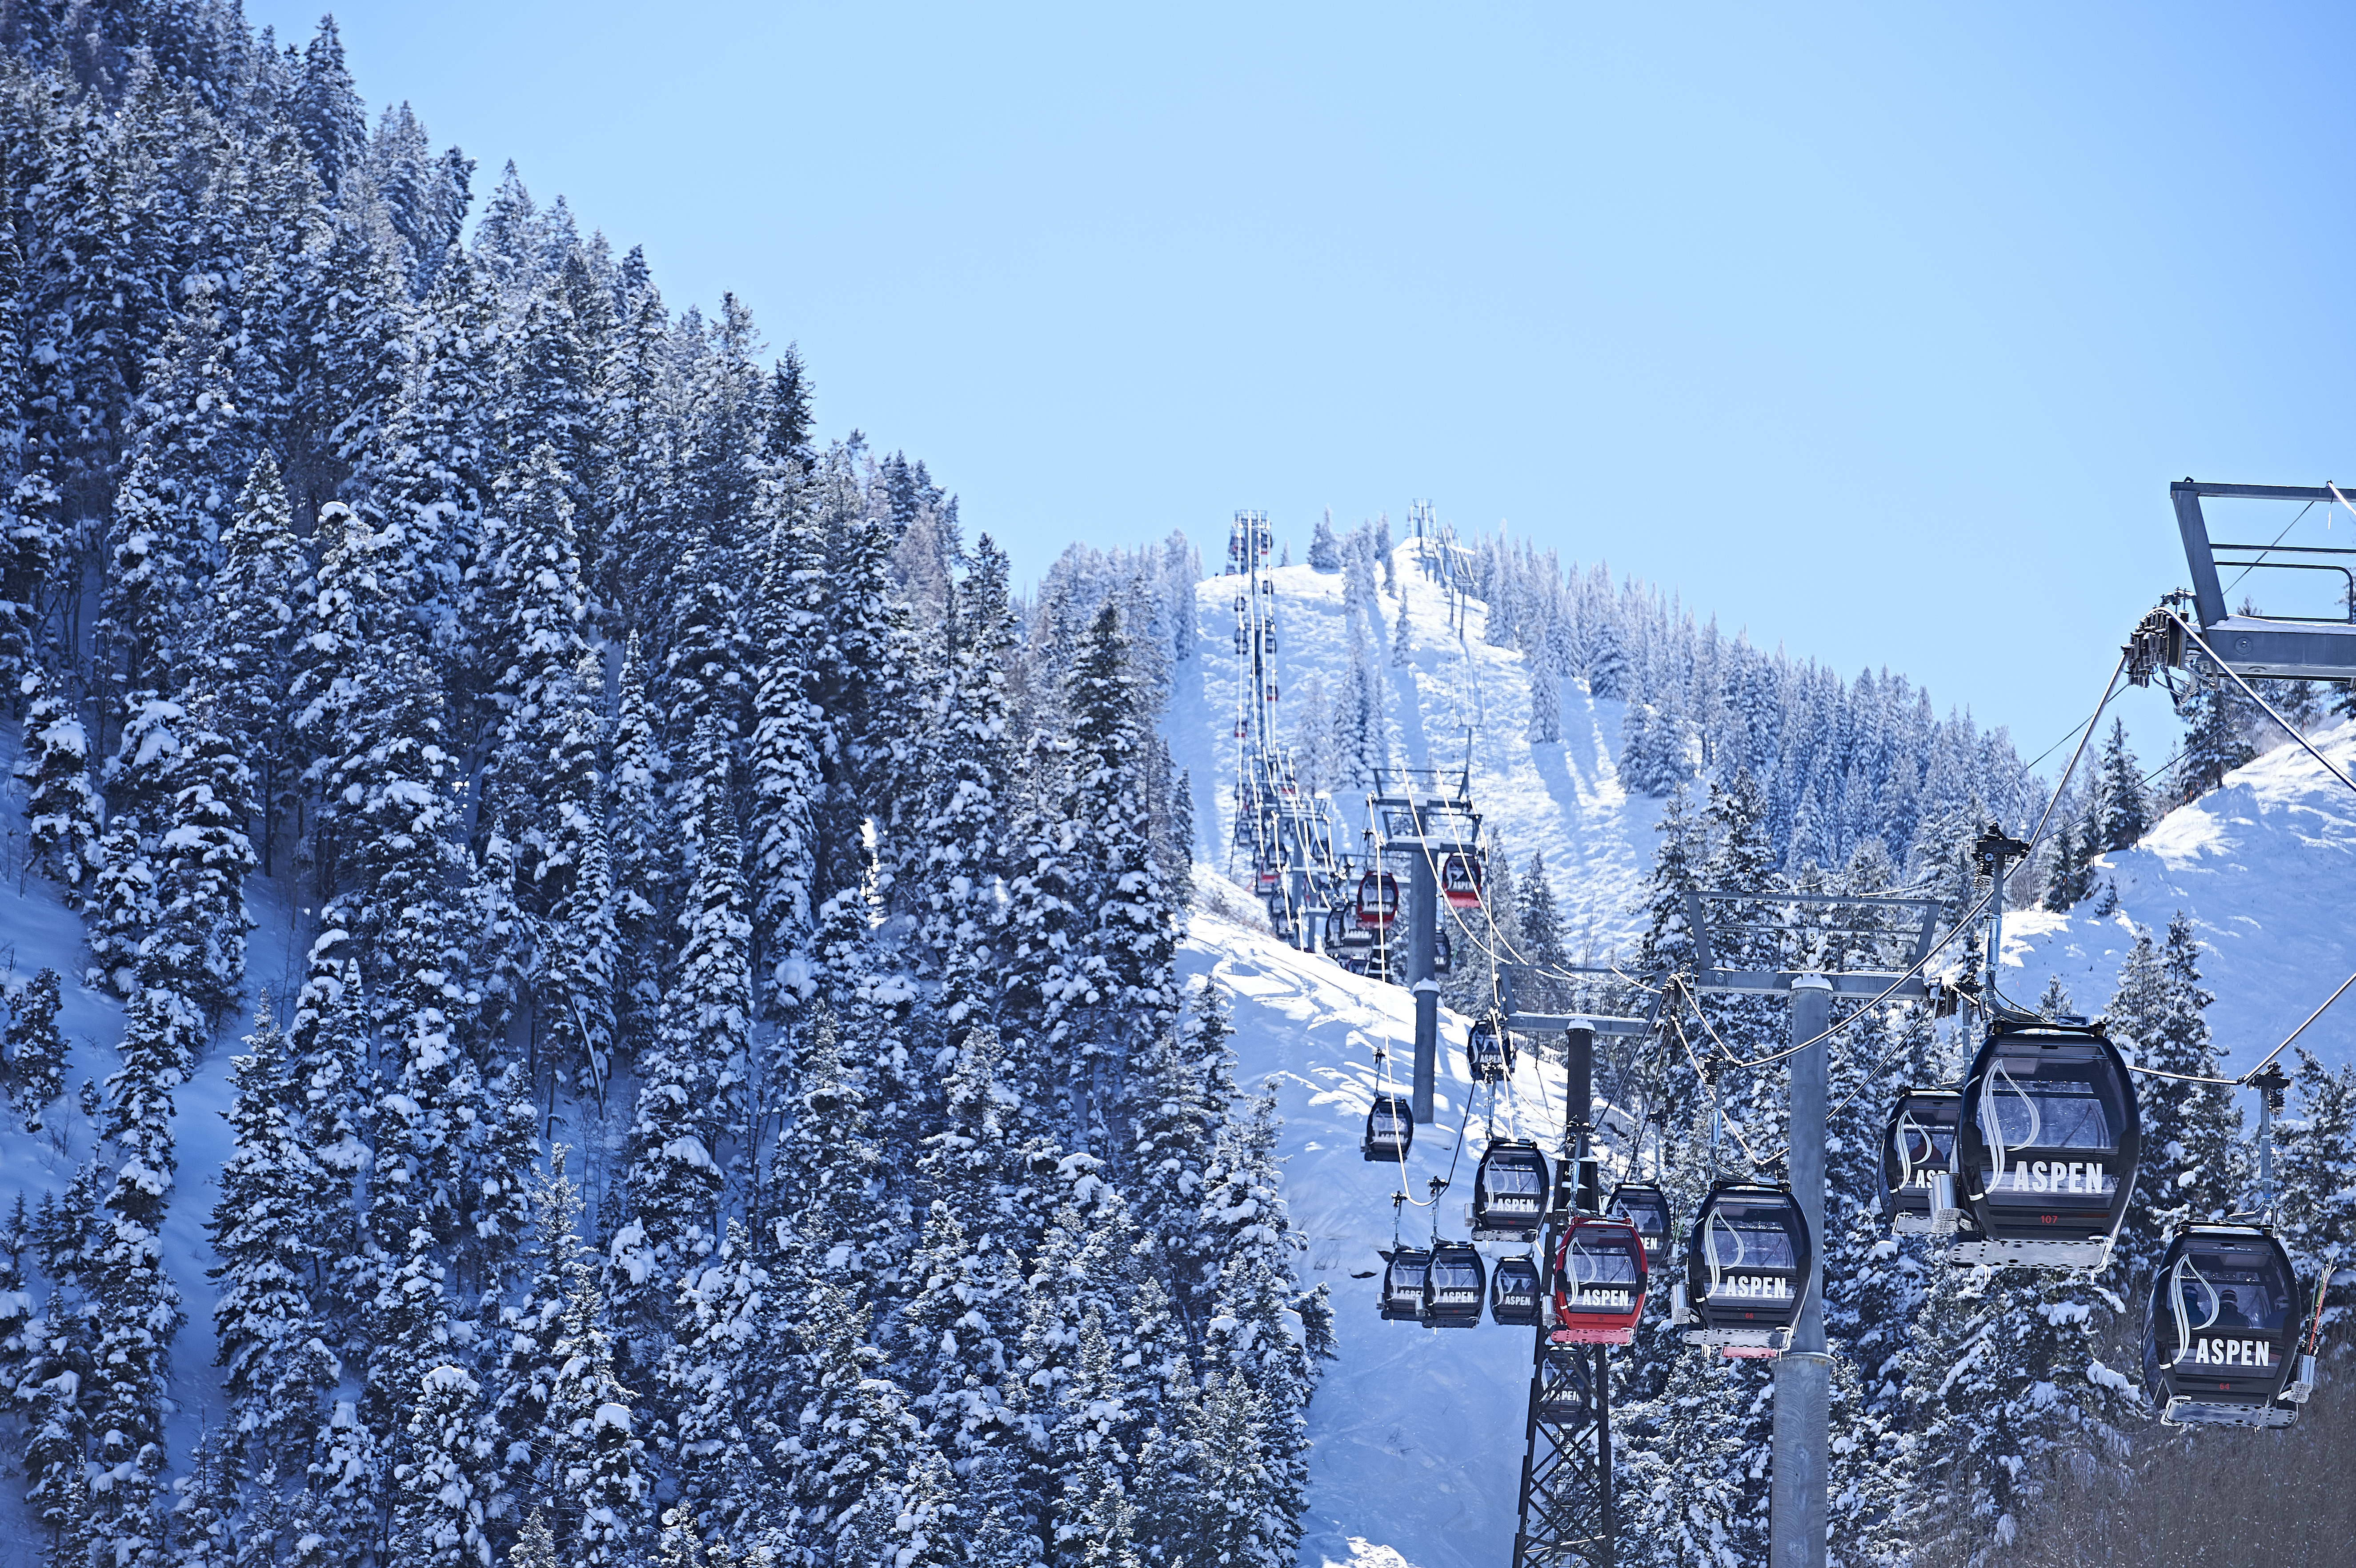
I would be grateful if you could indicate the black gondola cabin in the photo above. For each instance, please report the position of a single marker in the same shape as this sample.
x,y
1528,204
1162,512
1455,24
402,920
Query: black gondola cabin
x,y
1403,1273
2221,1330
1646,1207
1454,1286
1917,1149
1488,1052
1509,1191
1747,1269
1599,1283
1390,1128
2046,1143
1514,1291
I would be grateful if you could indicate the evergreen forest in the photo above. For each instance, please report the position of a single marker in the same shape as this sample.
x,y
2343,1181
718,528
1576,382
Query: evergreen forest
x,y
736,1104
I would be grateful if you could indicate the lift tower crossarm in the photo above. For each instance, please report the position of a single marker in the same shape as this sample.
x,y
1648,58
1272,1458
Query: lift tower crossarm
x,y
1426,830
2279,646
1865,983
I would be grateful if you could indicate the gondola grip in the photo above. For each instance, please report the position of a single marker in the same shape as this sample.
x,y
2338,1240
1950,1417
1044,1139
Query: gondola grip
x,y
2303,1385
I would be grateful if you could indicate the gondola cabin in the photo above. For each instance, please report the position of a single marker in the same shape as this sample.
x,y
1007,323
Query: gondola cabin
x,y
1488,1052
1599,1283
1378,901
1646,1207
1509,1191
2221,1330
1443,956
1390,1128
1917,1149
1514,1291
2046,1142
1460,880
1747,1266
1267,877
1567,1393
1403,1276
1270,694
1279,918
1337,929
1454,1286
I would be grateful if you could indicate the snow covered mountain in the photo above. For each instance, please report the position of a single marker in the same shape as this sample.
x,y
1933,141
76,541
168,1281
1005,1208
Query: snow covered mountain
x,y
2261,866
1451,699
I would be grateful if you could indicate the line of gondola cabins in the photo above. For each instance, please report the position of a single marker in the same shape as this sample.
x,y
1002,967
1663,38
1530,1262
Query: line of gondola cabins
x,y
1359,929
2030,1162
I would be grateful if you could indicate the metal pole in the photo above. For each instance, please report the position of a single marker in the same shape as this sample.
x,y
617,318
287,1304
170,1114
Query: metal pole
x,y
1580,1173
1579,1099
1423,892
1803,1373
1610,1556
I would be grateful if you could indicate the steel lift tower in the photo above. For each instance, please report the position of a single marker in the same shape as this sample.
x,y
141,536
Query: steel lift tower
x,y
1569,1516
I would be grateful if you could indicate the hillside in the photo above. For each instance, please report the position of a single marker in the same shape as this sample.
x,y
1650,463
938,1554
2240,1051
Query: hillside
x,y
2259,865
2265,867
1416,1435
1453,697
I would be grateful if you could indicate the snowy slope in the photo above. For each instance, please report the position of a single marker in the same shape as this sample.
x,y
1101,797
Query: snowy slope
x,y
1417,1433
37,932
1563,799
2265,867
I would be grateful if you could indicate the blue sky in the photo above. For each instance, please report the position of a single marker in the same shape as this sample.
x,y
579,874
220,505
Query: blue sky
x,y
1876,330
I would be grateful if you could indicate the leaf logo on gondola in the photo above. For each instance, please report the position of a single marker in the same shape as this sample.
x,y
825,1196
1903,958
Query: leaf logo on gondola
x,y
1906,1123
1575,1256
1719,1265
2185,1327
1992,1123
